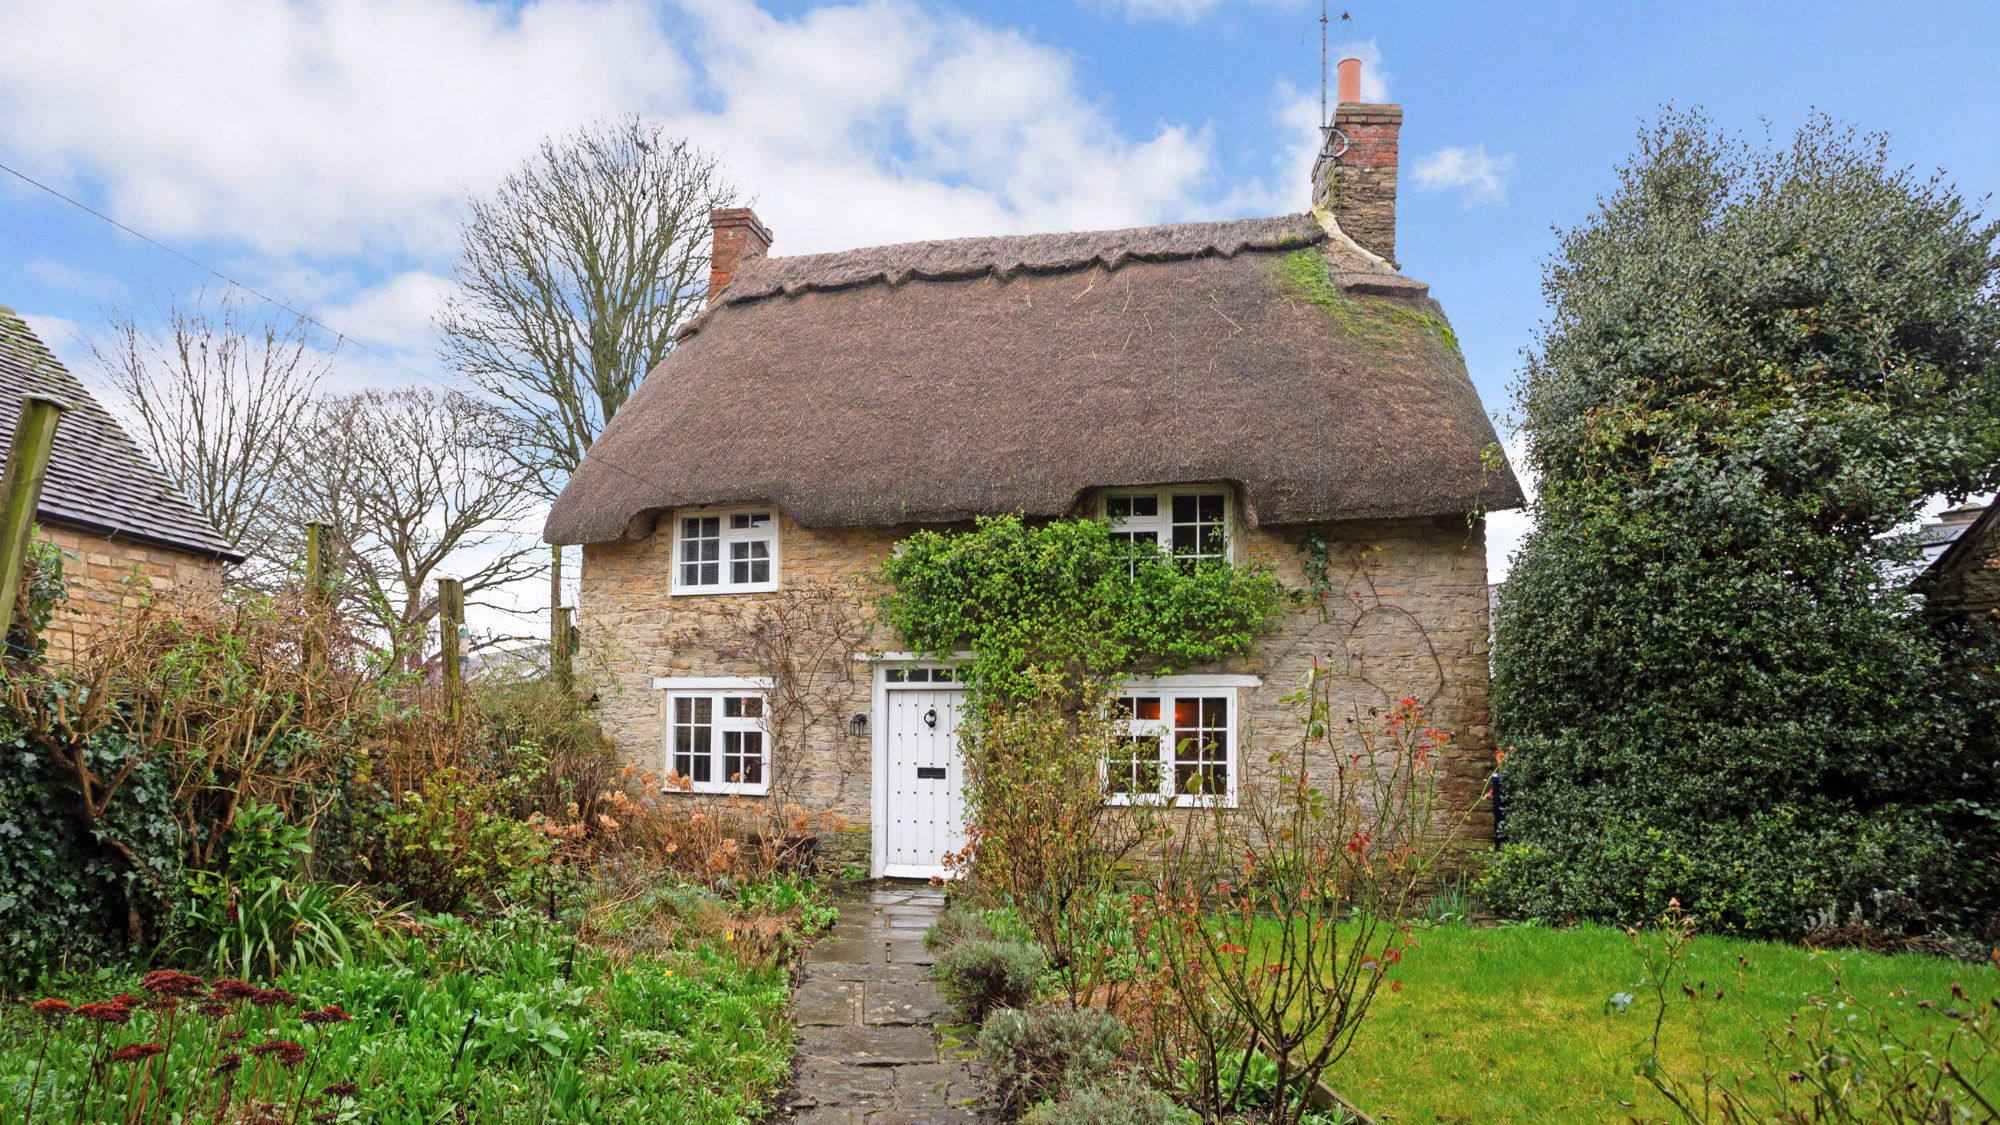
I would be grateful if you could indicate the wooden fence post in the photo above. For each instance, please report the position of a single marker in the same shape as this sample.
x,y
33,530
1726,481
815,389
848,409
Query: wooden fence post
x,y
562,639
315,560
451,615
21,494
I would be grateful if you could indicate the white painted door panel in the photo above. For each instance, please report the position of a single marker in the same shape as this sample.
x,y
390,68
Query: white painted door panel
x,y
923,802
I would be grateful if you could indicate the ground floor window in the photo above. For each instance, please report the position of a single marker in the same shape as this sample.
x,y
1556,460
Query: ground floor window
x,y
1173,746
717,741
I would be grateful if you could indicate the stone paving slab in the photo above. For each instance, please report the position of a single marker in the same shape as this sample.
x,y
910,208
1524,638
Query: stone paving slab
x,y
869,1019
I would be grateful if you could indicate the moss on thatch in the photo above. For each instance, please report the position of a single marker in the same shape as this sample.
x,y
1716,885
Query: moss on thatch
x,y
1307,275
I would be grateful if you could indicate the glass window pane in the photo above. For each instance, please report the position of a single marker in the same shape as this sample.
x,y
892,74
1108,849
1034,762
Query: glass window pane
x,y
704,710
1215,712
1187,713
760,571
920,675
1184,508
1209,508
711,575
1187,539
683,709
1148,506
753,706
739,573
732,707
752,767
1147,707
1118,507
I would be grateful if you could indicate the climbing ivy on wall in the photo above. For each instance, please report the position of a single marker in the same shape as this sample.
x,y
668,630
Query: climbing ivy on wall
x,y
1066,598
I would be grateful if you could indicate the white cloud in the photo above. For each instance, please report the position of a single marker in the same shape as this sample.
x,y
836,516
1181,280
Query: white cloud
x,y
1478,176
296,126
305,129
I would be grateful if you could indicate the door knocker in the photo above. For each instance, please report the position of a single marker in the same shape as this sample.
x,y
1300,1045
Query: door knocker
x,y
930,718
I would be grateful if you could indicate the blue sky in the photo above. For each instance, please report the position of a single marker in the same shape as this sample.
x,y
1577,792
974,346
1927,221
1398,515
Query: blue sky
x,y
318,151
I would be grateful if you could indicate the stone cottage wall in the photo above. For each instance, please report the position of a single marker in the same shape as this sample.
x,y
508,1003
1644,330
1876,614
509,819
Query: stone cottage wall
x,y
108,578
1405,616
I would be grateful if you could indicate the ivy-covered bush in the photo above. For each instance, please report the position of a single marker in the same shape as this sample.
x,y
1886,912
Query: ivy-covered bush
x,y
73,895
1711,683
1066,598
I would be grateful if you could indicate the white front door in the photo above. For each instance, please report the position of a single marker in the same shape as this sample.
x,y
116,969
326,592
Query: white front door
x,y
919,804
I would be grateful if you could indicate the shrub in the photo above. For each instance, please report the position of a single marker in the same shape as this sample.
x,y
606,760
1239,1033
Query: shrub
x,y
450,843
1758,365
257,914
980,976
955,927
1032,1056
1126,1102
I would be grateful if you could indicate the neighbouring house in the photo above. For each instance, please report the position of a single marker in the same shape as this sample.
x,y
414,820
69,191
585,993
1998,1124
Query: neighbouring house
x,y
1960,580
1276,380
123,528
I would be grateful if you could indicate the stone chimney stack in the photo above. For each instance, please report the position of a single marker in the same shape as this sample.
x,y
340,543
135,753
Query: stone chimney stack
x,y
1355,175
738,235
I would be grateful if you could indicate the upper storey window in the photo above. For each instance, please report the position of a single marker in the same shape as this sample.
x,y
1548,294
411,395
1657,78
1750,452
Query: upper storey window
x,y
734,551
1189,524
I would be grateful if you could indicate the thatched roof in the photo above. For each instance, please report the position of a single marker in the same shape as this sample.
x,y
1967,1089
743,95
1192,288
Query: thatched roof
x,y
935,381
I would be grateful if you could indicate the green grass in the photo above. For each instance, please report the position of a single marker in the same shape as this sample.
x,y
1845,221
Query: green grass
x,y
550,1032
1511,1024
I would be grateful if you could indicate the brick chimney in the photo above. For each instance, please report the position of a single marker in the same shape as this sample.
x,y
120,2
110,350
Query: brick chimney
x,y
1355,175
739,234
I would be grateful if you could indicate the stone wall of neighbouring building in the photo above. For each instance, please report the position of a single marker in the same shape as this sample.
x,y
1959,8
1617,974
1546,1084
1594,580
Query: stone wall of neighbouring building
x,y
1404,615
1969,587
108,578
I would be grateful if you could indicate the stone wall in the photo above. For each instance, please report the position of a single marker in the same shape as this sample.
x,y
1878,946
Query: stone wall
x,y
1969,589
110,577
1405,615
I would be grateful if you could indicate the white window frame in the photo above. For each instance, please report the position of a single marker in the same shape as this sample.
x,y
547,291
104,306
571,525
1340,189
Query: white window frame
x,y
727,537
716,689
1160,525
1169,689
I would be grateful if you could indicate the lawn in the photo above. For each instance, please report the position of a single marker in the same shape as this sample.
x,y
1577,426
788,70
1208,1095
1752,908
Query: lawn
x,y
1511,1023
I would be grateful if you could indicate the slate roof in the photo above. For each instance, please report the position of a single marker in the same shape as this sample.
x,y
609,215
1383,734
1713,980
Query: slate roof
x,y
933,381
98,479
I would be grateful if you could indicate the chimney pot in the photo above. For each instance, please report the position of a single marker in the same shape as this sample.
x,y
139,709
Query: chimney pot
x,y
1350,80
738,235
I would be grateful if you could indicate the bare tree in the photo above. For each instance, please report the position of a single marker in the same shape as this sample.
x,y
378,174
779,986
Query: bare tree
x,y
412,488
572,280
219,396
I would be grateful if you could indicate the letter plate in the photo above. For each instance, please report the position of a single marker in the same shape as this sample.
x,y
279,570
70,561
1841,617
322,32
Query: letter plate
x,y
933,773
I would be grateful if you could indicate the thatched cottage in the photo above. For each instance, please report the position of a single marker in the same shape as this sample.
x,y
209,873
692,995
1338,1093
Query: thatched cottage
x,y
122,526
1277,380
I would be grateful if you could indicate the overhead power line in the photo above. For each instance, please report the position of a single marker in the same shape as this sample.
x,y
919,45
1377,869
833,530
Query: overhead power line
x,y
338,336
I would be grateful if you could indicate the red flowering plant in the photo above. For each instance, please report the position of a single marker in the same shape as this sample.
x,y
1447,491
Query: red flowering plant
x,y
1275,923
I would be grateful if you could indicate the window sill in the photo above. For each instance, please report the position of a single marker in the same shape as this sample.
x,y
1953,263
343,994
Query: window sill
x,y
748,588
710,789
1123,800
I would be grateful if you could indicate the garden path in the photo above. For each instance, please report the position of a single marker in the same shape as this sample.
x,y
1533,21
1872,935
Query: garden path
x,y
872,1045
